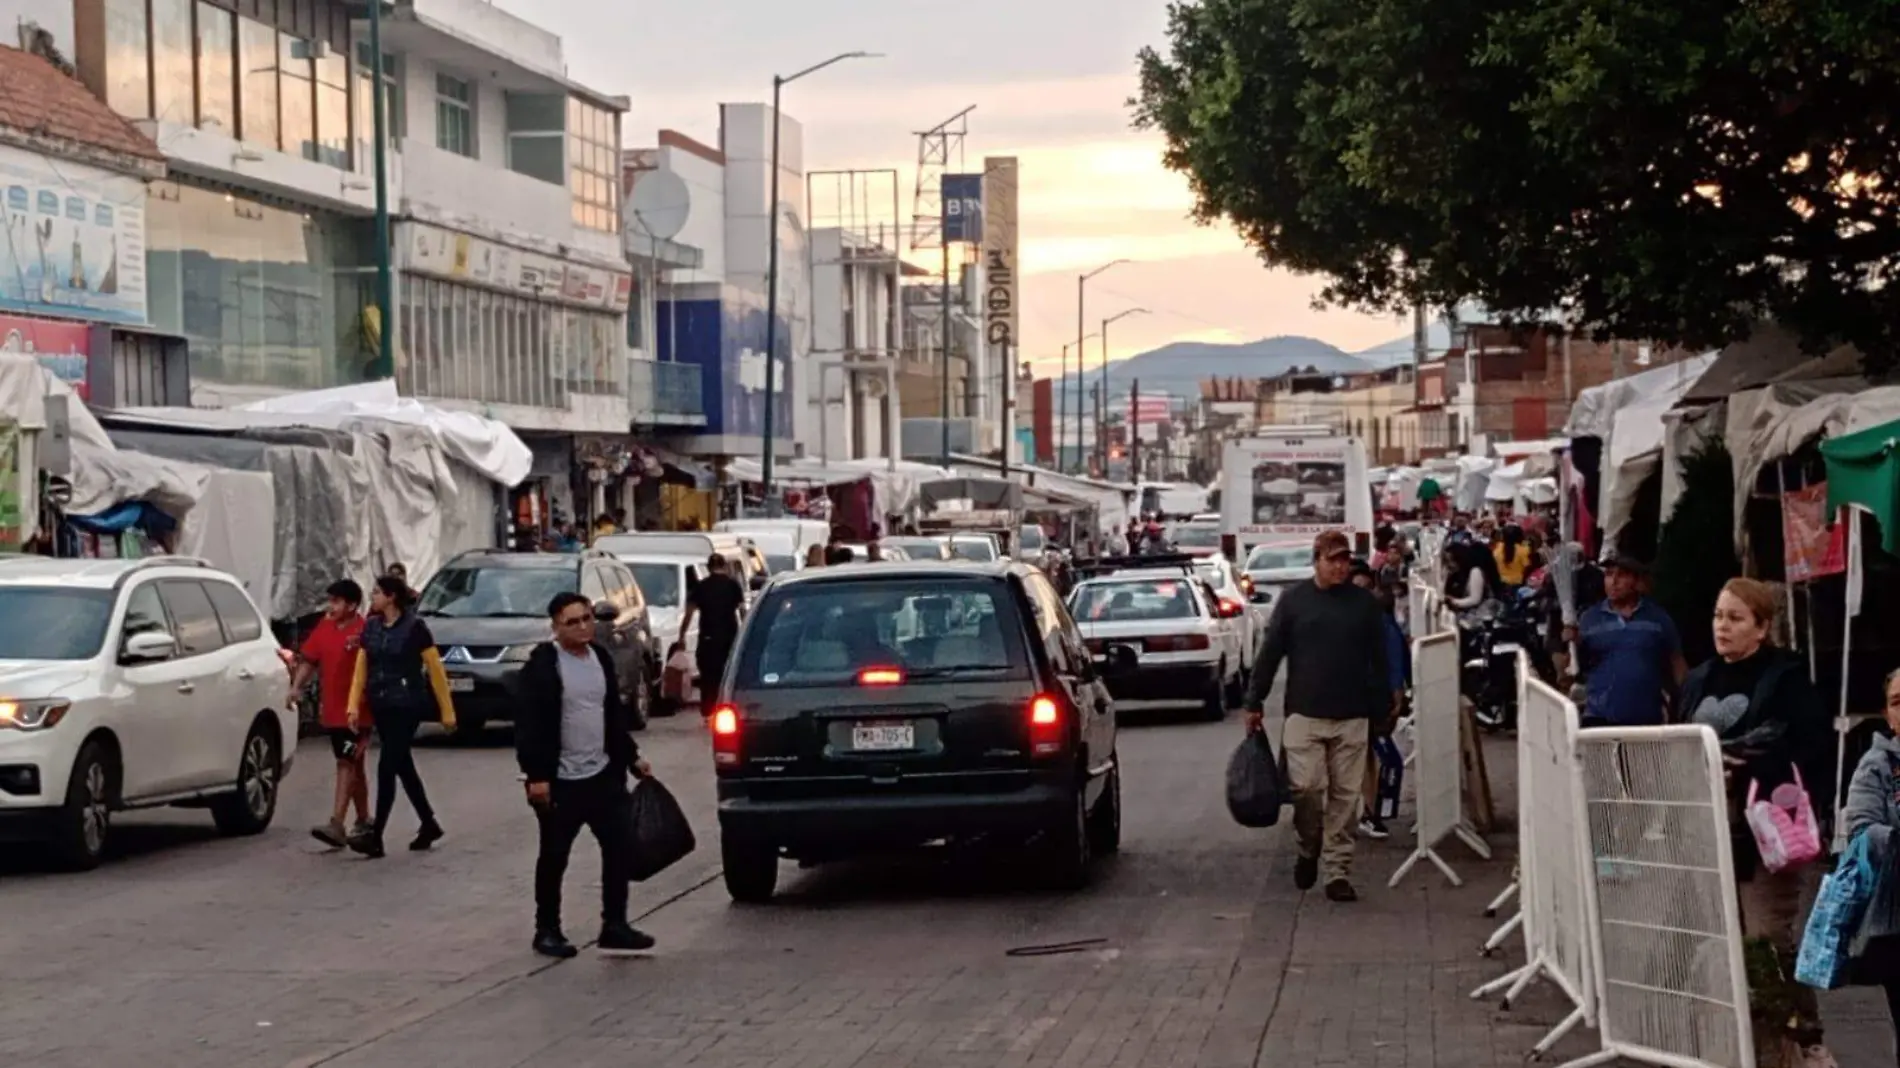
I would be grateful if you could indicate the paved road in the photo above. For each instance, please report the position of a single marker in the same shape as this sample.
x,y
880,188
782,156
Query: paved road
x,y
191,950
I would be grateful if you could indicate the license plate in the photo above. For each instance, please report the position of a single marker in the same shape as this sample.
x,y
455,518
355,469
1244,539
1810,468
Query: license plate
x,y
1506,647
883,737
461,684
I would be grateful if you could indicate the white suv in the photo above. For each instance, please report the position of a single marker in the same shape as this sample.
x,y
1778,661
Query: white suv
x,y
130,684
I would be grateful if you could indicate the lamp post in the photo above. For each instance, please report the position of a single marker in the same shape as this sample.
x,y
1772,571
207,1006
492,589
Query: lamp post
x,y
779,82
385,364
1062,384
1101,426
1081,286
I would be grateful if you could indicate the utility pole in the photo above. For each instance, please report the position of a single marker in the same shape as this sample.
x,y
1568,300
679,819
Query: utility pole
x,y
385,286
1134,430
1008,419
943,405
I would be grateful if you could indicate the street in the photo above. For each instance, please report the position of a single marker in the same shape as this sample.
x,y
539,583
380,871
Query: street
x,y
192,950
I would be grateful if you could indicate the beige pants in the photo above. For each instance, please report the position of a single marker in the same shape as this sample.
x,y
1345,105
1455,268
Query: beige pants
x,y
1325,764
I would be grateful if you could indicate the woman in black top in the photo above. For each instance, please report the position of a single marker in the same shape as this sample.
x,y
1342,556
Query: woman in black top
x,y
398,676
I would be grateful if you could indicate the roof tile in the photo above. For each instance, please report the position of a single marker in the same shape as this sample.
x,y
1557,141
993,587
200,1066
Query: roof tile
x,y
38,98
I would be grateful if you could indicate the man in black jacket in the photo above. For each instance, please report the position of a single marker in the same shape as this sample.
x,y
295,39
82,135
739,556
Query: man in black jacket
x,y
574,741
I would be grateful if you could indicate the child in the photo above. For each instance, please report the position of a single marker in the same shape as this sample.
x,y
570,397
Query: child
x,y
677,680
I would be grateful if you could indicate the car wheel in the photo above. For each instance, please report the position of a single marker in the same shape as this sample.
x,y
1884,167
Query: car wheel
x,y
1105,823
1214,702
640,706
84,823
250,808
1236,689
751,867
1068,843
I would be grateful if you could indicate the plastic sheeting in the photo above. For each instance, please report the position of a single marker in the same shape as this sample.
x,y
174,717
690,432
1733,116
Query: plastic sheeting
x,y
1767,424
1627,415
1593,414
894,491
234,527
483,444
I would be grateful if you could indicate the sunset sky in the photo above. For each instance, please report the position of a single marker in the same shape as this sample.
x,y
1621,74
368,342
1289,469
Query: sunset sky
x,y
1050,80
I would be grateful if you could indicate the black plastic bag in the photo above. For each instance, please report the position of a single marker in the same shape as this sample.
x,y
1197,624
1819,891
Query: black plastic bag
x,y
1255,782
661,835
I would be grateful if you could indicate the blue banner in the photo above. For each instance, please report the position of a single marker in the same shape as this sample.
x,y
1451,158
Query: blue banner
x,y
962,208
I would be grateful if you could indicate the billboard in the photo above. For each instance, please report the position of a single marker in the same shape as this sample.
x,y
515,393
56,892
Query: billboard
x,y
1294,486
62,348
1001,296
74,242
962,208
1154,408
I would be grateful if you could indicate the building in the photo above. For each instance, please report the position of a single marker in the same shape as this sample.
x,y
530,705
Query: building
x,y
852,395
73,175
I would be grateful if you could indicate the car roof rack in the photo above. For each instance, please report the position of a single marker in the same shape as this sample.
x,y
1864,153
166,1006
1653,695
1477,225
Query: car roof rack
x,y
163,560
1182,563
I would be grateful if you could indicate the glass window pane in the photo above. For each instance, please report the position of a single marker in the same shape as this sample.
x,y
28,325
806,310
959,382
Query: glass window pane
x,y
217,45
538,112
536,156
128,70
257,59
333,110
172,97
300,108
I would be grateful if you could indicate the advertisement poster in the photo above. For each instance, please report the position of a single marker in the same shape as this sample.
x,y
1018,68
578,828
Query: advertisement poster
x,y
1295,487
61,348
1001,293
74,242
11,522
1812,547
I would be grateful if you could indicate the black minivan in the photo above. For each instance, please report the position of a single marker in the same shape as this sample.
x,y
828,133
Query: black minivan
x,y
884,706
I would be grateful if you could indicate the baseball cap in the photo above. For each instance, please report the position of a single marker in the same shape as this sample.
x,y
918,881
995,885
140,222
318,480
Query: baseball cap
x,y
1622,561
1331,543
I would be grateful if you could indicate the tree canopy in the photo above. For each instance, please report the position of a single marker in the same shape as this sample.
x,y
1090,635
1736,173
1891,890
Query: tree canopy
x,y
1674,170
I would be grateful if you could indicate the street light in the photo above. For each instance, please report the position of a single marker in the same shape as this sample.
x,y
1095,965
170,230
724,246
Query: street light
x,y
1081,284
779,82
385,362
1062,385
1101,424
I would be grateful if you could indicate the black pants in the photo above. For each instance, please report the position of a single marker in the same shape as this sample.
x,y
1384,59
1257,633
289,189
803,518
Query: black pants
x,y
396,730
600,805
711,659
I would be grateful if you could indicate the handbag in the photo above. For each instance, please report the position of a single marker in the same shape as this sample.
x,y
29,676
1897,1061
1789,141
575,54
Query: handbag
x,y
1823,958
1784,826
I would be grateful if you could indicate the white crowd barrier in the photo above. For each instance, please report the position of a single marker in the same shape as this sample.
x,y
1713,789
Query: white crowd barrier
x,y
1664,922
1437,753
1551,843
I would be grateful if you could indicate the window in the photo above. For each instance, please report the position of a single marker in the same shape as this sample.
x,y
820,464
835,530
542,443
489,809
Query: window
x,y
236,612
144,614
1130,602
594,584
535,136
257,60
513,592
196,622
397,117
659,583
593,165
300,109
217,90
333,111
47,623
629,589
454,116
172,97
128,63
826,632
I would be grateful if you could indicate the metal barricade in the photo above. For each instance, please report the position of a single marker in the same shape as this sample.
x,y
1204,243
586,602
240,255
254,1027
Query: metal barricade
x,y
1660,892
1439,767
1552,865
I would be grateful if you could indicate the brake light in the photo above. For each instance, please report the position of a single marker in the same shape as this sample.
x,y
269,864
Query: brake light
x,y
1174,643
881,676
1230,609
1045,725
725,735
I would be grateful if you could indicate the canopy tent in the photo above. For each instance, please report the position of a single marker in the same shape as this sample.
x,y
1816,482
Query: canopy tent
x,y
894,486
1863,469
1767,424
985,493
1770,354
1627,416
1111,500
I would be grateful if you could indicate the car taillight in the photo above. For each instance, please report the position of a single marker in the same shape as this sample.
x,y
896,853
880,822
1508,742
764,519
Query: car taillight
x,y
725,734
1045,725
881,676
1174,643
1230,609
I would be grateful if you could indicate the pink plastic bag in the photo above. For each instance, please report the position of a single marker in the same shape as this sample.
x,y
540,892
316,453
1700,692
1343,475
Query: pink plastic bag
x,y
1784,826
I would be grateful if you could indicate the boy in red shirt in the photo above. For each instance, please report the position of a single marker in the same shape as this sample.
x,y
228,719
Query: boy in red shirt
x,y
329,653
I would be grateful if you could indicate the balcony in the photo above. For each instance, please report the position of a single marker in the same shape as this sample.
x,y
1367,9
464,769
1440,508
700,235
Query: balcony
x,y
664,394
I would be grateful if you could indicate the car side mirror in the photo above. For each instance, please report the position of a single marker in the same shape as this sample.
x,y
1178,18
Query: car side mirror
x,y
1117,661
605,612
148,647
758,582
1260,596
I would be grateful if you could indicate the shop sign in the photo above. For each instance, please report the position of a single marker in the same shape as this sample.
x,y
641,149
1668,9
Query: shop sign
x,y
1001,288
433,250
75,239
62,348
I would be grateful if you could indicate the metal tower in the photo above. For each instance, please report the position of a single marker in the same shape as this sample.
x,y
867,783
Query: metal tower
x,y
938,149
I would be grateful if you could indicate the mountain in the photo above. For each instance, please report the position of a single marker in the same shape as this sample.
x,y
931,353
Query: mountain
x,y
1399,349
1179,368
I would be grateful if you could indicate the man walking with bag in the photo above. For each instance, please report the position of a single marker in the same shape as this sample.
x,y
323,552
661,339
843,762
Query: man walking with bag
x,y
574,742
1331,634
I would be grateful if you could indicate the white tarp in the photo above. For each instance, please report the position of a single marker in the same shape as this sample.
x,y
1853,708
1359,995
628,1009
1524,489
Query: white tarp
x,y
235,527
483,444
1473,482
894,492
1767,424
1628,415
1503,484
1112,500
1593,413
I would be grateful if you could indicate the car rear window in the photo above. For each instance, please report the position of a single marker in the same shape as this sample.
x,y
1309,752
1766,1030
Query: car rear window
x,y
1279,557
977,549
1196,536
825,633
1128,602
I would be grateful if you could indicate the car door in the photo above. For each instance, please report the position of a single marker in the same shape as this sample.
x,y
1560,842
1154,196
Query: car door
x,y
634,622
1074,666
151,714
258,675
213,693
597,585
1226,629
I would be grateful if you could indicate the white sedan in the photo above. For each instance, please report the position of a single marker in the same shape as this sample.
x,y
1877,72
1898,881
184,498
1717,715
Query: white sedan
x,y
1275,567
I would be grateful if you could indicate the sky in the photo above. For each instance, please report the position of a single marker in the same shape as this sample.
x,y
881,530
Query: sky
x,y
1050,80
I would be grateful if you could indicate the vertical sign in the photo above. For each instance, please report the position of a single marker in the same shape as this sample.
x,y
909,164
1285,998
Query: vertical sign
x,y
1000,294
962,208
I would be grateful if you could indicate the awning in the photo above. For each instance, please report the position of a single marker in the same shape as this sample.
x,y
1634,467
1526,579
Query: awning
x,y
1863,468
980,492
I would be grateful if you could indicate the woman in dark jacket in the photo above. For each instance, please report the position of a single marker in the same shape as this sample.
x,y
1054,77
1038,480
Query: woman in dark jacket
x,y
399,677
1770,721
1873,809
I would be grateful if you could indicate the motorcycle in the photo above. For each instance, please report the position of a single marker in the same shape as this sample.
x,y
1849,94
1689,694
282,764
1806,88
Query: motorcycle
x,y
1490,639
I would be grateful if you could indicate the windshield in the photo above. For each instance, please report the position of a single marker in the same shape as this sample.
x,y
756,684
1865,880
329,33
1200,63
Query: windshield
x,y
775,564
488,592
918,548
978,549
1279,557
659,583
1127,602
1031,539
1197,536
52,624
825,633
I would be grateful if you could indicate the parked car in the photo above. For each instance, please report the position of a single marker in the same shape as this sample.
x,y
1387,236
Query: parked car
x,y
129,684
870,708
1275,567
488,609
1196,538
918,548
1187,644
664,582
982,548
1235,591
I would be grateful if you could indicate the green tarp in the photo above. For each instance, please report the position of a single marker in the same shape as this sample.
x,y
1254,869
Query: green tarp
x,y
1863,468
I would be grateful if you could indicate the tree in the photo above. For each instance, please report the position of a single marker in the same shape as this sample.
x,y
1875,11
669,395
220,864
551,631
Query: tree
x,y
1674,170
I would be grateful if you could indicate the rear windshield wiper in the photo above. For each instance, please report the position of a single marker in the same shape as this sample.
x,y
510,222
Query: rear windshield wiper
x,y
961,669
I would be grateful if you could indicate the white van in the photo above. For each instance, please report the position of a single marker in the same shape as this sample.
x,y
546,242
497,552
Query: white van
x,y
783,541
744,559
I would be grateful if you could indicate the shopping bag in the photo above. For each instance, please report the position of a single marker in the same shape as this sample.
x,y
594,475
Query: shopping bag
x,y
1822,960
1255,782
1784,826
1391,776
661,835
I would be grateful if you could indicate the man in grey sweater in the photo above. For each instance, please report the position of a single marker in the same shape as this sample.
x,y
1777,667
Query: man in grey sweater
x,y
1331,635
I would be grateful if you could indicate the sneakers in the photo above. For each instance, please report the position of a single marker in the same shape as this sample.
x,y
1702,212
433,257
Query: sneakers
x,y
550,942
430,834
623,938
1306,872
1340,890
1373,827
331,834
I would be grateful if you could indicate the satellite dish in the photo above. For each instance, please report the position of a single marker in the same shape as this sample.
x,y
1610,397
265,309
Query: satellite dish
x,y
659,205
